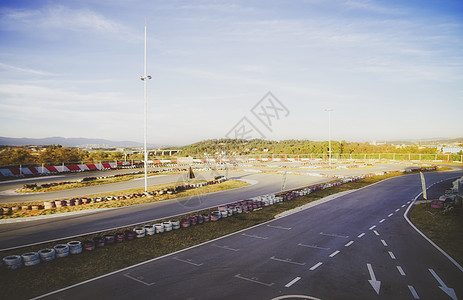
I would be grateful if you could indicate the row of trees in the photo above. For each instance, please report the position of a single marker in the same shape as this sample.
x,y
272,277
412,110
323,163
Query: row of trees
x,y
257,146
57,154
54,154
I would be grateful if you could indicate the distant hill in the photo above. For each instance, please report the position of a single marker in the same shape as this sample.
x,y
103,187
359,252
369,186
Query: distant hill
x,y
68,142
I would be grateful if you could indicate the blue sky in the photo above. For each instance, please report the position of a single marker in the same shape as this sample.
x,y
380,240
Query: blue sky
x,y
388,69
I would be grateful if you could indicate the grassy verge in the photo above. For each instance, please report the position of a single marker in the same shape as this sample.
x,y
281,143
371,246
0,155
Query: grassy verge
x,y
446,230
46,277
226,185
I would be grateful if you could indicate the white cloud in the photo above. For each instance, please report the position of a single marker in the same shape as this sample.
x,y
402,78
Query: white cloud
x,y
59,18
12,68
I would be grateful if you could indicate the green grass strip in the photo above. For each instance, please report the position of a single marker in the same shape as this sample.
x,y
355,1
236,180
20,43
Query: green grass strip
x,y
444,229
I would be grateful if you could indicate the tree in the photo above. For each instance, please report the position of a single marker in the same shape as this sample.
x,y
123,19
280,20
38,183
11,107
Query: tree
x,y
14,156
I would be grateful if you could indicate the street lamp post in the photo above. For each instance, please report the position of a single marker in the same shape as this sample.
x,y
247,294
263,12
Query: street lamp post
x,y
329,134
145,78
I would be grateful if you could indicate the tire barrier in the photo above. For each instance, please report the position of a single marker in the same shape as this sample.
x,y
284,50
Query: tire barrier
x,y
47,254
206,217
150,229
75,247
12,262
89,245
185,223
129,235
140,232
31,259
109,239
84,200
193,220
159,227
99,241
215,216
167,226
120,237
61,250
175,224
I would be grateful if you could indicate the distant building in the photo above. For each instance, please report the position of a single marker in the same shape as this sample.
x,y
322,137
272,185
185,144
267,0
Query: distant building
x,y
451,149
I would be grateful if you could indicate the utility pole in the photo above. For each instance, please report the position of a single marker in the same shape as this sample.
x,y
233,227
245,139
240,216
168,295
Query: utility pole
x,y
145,78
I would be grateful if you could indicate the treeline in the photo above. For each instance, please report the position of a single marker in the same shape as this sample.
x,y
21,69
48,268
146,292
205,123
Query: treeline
x,y
257,146
54,154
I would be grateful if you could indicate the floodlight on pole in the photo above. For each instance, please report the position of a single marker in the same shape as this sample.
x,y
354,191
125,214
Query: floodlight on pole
x,y
329,110
145,78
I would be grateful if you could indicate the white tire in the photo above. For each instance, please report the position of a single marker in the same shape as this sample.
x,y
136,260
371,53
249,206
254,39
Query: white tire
x,y
140,232
167,226
12,261
61,250
31,258
150,229
47,254
159,227
75,247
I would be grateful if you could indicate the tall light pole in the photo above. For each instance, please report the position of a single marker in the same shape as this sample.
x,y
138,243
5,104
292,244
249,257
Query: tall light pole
x,y
329,110
145,78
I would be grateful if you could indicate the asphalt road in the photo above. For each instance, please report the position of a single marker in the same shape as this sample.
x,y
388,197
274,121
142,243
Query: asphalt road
x,y
55,227
357,246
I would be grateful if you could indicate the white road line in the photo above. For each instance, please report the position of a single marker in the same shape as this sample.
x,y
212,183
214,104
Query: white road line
x,y
316,266
334,235
348,244
255,236
382,220
313,246
187,261
376,232
361,235
403,205
391,254
401,271
292,282
253,280
414,293
139,279
372,227
390,215
287,260
224,247
279,227
335,253
384,243
397,209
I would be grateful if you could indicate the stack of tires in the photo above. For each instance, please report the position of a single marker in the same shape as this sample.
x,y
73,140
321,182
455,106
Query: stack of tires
x,y
13,262
31,259
47,254
150,229
75,247
61,250
140,232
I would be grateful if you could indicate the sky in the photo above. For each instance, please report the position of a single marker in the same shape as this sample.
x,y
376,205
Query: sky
x,y
354,70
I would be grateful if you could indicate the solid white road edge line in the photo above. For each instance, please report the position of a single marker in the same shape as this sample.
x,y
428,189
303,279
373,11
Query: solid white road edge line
x,y
425,237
